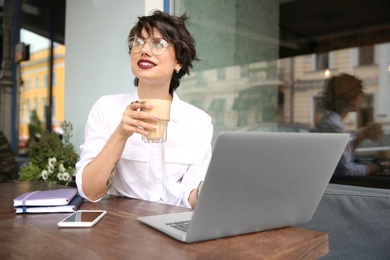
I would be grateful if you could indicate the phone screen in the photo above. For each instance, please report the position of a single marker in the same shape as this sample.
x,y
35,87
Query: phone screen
x,y
82,218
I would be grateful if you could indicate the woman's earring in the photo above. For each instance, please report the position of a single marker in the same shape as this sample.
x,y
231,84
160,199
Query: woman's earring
x,y
178,70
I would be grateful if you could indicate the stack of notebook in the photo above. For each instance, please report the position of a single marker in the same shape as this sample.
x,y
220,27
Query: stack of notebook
x,y
59,200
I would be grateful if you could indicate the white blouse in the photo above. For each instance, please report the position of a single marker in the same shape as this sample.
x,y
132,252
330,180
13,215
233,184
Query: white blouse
x,y
161,172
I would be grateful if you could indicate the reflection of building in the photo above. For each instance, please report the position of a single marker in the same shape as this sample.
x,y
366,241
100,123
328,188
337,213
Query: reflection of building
x,y
245,95
235,96
303,79
34,91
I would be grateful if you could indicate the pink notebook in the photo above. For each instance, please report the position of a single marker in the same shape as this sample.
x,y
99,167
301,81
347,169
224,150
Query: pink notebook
x,y
46,198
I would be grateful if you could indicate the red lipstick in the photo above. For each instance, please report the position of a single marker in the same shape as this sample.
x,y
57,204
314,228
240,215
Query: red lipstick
x,y
145,64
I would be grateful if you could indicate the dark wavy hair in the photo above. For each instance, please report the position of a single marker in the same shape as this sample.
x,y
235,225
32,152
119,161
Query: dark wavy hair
x,y
173,30
340,90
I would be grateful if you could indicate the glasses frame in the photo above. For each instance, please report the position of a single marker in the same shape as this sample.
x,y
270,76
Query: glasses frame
x,y
151,46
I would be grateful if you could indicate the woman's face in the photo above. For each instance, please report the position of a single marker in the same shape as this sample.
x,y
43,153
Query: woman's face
x,y
357,102
150,68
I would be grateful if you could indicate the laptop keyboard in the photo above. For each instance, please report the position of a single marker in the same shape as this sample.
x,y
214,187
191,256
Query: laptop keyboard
x,y
181,225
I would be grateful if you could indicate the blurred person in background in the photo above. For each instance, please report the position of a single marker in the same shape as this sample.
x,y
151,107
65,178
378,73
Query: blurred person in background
x,y
342,94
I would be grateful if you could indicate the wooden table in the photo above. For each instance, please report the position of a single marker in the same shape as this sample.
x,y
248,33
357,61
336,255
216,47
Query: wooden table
x,y
120,236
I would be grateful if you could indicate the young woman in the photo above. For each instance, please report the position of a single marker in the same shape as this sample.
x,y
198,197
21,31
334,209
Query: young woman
x,y
114,158
344,94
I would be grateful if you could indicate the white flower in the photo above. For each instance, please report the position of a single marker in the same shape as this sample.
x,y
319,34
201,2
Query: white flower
x,y
61,168
60,176
44,175
52,161
50,168
66,176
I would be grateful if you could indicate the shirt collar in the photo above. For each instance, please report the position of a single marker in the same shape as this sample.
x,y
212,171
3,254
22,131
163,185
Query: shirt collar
x,y
337,119
335,115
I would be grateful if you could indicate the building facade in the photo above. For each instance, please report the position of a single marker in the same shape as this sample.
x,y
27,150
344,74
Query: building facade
x,y
34,88
303,79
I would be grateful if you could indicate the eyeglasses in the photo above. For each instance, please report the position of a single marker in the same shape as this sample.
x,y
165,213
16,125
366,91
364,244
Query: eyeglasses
x,y
157,46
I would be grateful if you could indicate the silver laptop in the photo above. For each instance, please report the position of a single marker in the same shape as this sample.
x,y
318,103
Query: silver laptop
x,y
255,182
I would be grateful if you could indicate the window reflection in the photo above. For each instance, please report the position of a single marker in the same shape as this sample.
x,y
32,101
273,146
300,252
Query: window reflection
x,y
34,85
366,55
241,81
322,61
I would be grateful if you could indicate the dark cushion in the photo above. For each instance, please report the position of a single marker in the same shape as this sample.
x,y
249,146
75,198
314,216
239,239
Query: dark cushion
x,y
357,220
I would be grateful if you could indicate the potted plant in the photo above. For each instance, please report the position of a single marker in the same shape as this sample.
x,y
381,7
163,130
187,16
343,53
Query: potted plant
x,y
51,159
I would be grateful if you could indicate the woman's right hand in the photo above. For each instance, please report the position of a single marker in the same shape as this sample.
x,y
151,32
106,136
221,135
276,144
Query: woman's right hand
x,y
136,121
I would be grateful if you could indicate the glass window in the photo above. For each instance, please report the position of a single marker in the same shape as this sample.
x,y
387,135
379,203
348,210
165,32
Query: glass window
x,y
45,109
35,72
236,80
322,61
54,79
37,82
366,55
29,110
29,83
242,82
36,105
54,109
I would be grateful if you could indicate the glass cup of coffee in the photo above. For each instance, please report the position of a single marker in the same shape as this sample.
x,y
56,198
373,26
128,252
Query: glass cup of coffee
x,y
161,108
375,131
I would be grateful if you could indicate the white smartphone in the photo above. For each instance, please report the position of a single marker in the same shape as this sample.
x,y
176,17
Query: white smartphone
x,y
82,218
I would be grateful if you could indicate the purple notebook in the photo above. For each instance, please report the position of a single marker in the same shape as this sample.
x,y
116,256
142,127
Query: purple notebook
x,y
46,198
71,207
